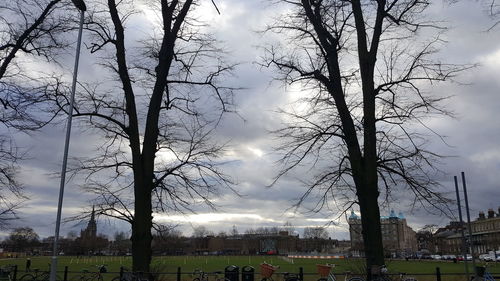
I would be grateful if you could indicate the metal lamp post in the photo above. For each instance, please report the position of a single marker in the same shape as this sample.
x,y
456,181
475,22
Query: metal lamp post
x,y
80,5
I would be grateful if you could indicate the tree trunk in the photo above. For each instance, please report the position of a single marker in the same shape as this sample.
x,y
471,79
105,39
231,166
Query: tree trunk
x,y
141,227
370,221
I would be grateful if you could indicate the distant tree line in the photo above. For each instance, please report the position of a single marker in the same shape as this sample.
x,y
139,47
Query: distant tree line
x,y
27,240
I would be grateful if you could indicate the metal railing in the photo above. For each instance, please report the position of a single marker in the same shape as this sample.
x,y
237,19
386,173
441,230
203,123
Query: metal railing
x,y
12,274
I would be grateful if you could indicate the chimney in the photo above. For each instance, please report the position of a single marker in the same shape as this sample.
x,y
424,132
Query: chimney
x,y
481,216
491,213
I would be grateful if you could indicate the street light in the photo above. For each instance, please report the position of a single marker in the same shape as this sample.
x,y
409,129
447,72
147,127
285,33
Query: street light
x,y
80,5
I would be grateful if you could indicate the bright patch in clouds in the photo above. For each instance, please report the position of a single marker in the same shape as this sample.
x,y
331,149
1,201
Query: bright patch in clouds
x,y
257,152
319,220
212,217
492,60
486,156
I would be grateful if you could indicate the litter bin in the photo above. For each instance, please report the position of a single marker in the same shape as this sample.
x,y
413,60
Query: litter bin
x,y
247,273
231,273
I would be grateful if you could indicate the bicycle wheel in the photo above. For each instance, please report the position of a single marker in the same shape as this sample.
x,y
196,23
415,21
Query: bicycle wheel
x,y
27,277
382,278
94,277
43,276
77,278
196,279
356,278
116,278
46,277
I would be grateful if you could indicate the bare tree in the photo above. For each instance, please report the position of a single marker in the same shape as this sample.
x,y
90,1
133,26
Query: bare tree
x,y
430,228
155,115
23,238
317,232
494,12
234,231
29,30
201,231
360,126
11,195
166,240
288,227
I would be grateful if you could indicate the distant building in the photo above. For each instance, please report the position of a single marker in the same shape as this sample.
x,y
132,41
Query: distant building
x,y
448,239
425,242
281,243
88,236
398,238
247,244
485,234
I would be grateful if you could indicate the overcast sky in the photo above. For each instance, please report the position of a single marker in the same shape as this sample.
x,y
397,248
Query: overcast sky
x,y
473,137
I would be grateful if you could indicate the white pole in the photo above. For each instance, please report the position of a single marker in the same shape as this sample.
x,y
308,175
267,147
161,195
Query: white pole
x,y
53,265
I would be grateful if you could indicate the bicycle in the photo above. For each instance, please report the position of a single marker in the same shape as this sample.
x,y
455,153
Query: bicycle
x,y
488,277
36,275
384,276
92,276
205,276
403,277
131,276
483,275
267,270
379,273
324,271
5,272
326,274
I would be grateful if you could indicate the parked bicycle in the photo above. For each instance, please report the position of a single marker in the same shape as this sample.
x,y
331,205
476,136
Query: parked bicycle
x,y
38,275
404,277
6,272
127,275
383,275
488,277
206,276
483,274
87,275
267,270
326,274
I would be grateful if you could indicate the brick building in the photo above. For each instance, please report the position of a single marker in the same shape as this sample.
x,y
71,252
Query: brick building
x,y
252,244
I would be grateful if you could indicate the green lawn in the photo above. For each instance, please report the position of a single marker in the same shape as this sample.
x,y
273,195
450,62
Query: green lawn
x,y
169,265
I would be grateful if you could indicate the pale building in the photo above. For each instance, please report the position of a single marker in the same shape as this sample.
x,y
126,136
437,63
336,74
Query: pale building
x,y
398,238
486,232
485,235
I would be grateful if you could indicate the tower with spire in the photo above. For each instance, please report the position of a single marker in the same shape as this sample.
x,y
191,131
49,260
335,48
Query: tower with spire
x,y
89,234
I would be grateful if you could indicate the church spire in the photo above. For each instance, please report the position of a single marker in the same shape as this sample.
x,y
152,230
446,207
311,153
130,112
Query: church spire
x,y
92,216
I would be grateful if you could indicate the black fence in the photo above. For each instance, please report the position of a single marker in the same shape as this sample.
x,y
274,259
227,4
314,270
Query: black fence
x,y
230,273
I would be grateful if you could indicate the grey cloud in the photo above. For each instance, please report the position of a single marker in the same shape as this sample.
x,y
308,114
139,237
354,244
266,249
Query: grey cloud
x,y
472,136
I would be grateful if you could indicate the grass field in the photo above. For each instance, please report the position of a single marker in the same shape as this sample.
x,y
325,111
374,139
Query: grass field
x,y
424,270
